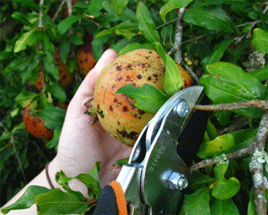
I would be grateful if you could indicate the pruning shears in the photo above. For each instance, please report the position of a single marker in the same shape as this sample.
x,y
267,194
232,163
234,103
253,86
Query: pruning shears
x,y
157,174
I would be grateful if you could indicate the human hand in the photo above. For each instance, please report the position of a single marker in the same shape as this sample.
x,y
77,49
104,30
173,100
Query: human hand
x,y
82,144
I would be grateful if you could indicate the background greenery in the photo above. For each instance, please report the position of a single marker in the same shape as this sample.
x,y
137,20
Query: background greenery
x,y
224,42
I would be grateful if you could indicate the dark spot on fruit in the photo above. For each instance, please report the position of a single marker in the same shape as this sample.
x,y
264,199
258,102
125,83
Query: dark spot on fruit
x,y
155,75
147,57
99,111
111,108
141,112
135,115
129,66
115,101
119,79
125,109
128,76
118,123
86,59
132,135
119,68
149,78
139,76
81,61
113,86
64,76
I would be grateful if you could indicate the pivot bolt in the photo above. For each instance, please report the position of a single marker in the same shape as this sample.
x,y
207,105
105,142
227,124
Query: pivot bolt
x,y
182,109
177,181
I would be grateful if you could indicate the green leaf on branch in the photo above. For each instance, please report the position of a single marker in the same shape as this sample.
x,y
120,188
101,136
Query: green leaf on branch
x,y
58,202
21,18
147,98
228,83
90,179
217,53
225,189
58,92
25,98
146,23
212,18
220,2
28,39
27,199
226,143
134,46
171,5
119,6
224,207
261,74
173,80
67,23
197,202
260,40
52,116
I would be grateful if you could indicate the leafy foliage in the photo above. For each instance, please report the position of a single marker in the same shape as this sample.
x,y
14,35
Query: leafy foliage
x,y
224,42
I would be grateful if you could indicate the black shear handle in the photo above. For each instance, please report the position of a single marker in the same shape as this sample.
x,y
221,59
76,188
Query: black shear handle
x,y
193,134
112,200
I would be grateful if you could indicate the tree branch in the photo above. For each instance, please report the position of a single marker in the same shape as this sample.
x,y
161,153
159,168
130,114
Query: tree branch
x,y
256,165
178,38
261,104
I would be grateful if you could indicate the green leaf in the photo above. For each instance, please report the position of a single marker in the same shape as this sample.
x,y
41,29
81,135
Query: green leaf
x,y
122,162
64,50
225,189
74,39
227,83
224,207
260,40
28,39
171,5
27,199
52,116
212,18
134,46
226,143
21,18
200,180
59,202
25,98
51,68
146,24
173,80
261,74
56,137
67,23
119,6
126,29
220,170
94,7
58,92
220,2
147,98
217,53
197,202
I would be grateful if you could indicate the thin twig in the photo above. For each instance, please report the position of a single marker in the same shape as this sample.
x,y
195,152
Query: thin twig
x,y
178,38
41,4
15,152
256,165
58,11
165,24
213,161
261,104
70,7
239,123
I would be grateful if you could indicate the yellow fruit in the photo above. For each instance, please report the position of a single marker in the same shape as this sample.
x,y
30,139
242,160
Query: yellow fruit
x,y
117,112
